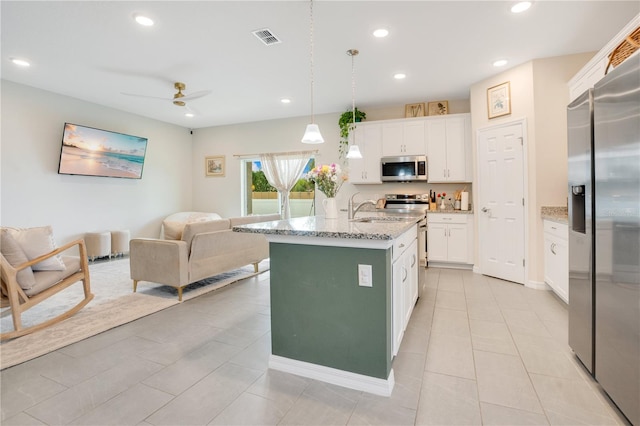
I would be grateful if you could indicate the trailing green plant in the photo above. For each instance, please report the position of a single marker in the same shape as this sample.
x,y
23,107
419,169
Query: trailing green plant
x,y
346,124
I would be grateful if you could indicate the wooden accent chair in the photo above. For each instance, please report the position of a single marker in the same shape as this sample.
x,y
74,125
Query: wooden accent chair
x,y
47,284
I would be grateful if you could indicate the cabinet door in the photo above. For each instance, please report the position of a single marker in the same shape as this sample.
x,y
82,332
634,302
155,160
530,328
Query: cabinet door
x,y
373,152
437,242
562,269
456,136
414,140
437,149
397,305
457,243
411,264
393,139
368,137
357,167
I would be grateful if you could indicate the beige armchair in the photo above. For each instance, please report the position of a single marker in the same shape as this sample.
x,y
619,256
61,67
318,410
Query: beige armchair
x,y
24,285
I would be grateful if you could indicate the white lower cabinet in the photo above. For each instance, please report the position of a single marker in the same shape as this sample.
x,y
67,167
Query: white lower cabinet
x,y
556,258
448,237
404,284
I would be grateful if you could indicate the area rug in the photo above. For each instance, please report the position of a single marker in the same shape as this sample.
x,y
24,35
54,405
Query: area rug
x,y
114,304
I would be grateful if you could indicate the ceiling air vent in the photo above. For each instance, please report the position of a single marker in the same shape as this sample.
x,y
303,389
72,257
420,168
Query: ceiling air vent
x,y
266,36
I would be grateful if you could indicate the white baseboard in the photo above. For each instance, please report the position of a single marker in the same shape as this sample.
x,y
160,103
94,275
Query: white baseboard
x,y
334,376
476,270
537,285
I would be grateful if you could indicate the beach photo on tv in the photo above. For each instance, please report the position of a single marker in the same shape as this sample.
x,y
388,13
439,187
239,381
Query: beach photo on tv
x,y
95,152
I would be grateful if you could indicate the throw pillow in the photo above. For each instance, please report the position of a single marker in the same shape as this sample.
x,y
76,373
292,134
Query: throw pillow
x,y
36,242
14,254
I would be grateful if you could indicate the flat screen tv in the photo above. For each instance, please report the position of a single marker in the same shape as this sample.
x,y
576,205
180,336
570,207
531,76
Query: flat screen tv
x,y
94,152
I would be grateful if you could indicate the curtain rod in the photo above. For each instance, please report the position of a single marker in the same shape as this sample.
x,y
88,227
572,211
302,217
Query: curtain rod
x,y
315,151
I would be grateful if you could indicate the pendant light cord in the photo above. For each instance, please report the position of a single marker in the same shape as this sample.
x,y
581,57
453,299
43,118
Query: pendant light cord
x,y
311,44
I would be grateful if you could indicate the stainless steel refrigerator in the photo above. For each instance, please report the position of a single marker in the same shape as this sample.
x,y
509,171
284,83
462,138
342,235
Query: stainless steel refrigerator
x,y
604,233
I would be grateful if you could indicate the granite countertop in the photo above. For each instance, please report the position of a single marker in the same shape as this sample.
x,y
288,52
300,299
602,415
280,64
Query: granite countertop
x,y
450,211
555,214
386,228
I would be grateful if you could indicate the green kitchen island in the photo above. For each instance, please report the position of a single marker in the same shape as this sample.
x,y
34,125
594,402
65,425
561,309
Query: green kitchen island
x,y
342,292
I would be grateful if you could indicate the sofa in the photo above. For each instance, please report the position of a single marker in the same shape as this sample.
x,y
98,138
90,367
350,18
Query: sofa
x,y
194,246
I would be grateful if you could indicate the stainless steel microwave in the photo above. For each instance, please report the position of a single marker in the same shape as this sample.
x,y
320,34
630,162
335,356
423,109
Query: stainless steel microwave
x,y
408,168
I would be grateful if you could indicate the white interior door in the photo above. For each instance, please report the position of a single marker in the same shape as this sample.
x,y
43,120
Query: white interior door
x,y
501,202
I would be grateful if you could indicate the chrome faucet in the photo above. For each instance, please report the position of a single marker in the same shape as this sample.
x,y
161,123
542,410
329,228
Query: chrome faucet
x,y
353,210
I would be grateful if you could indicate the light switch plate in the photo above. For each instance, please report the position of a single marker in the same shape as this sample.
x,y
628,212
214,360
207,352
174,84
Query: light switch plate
x,y
364,276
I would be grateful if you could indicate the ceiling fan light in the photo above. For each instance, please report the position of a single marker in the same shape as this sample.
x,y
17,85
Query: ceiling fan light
x,y
354,152
312,135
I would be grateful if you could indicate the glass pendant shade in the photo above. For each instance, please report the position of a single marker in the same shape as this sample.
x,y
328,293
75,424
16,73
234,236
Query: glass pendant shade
x,y
354,152
312,135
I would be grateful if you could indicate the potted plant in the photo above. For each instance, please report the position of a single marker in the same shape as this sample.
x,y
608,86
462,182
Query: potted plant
x,y
345,123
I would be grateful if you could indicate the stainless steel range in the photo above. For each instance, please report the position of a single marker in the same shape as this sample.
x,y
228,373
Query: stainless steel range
x,y
415,205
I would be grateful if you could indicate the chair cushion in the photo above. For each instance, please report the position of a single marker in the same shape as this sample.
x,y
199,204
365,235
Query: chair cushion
x,y
14,254
46,279
173,225
36,242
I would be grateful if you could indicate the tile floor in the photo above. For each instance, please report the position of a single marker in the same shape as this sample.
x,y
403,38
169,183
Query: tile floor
x,y
477,351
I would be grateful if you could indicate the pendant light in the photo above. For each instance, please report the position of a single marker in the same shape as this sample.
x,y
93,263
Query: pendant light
x,y
312,133
354,151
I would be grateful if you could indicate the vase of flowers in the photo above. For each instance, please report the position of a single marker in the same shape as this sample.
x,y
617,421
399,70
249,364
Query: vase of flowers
x,y
328,179
441,196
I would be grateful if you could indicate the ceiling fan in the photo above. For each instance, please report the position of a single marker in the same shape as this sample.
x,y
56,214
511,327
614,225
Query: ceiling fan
x,y
179,98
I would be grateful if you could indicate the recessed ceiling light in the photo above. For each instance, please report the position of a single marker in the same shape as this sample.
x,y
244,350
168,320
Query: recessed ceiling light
x,y
189,114
381,32
20,62
143,20
500,63
399,76
520,6
285,100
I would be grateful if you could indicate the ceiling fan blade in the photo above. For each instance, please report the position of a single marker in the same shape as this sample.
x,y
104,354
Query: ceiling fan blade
x,y
146,96
195,95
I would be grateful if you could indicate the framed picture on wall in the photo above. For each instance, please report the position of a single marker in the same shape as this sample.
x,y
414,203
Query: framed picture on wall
x,y
499,100
214,165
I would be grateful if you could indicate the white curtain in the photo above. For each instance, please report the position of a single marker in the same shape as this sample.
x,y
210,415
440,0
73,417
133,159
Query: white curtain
x,y
283,171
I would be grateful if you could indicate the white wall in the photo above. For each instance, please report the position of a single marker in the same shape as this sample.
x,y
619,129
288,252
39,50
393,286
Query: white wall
x,y
539,93
34,194
223,194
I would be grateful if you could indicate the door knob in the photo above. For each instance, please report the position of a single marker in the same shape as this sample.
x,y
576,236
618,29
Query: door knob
x,y
485,210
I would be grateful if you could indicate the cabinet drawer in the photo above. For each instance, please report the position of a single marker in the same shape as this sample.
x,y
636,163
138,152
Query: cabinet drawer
x,y
556,229
403,242
446,218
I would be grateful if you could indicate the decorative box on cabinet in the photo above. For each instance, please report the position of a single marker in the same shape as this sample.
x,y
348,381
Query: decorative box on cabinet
x,y
556,258
368,137
403,137
448,141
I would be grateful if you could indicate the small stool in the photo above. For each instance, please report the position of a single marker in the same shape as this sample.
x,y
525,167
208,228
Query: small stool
x,y
98,244
119,243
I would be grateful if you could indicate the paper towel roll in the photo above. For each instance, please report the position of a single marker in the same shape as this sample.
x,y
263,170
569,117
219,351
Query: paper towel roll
x,y
464,202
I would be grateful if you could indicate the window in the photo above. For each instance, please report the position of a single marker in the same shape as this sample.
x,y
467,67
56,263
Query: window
x,y
262,198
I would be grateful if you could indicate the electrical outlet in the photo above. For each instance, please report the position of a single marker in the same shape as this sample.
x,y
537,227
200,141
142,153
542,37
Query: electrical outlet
x,y
364,276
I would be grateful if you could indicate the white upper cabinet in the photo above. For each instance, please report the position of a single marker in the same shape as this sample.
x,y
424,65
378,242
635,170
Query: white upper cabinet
x,y
595,69
448,140
403,137
368,137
